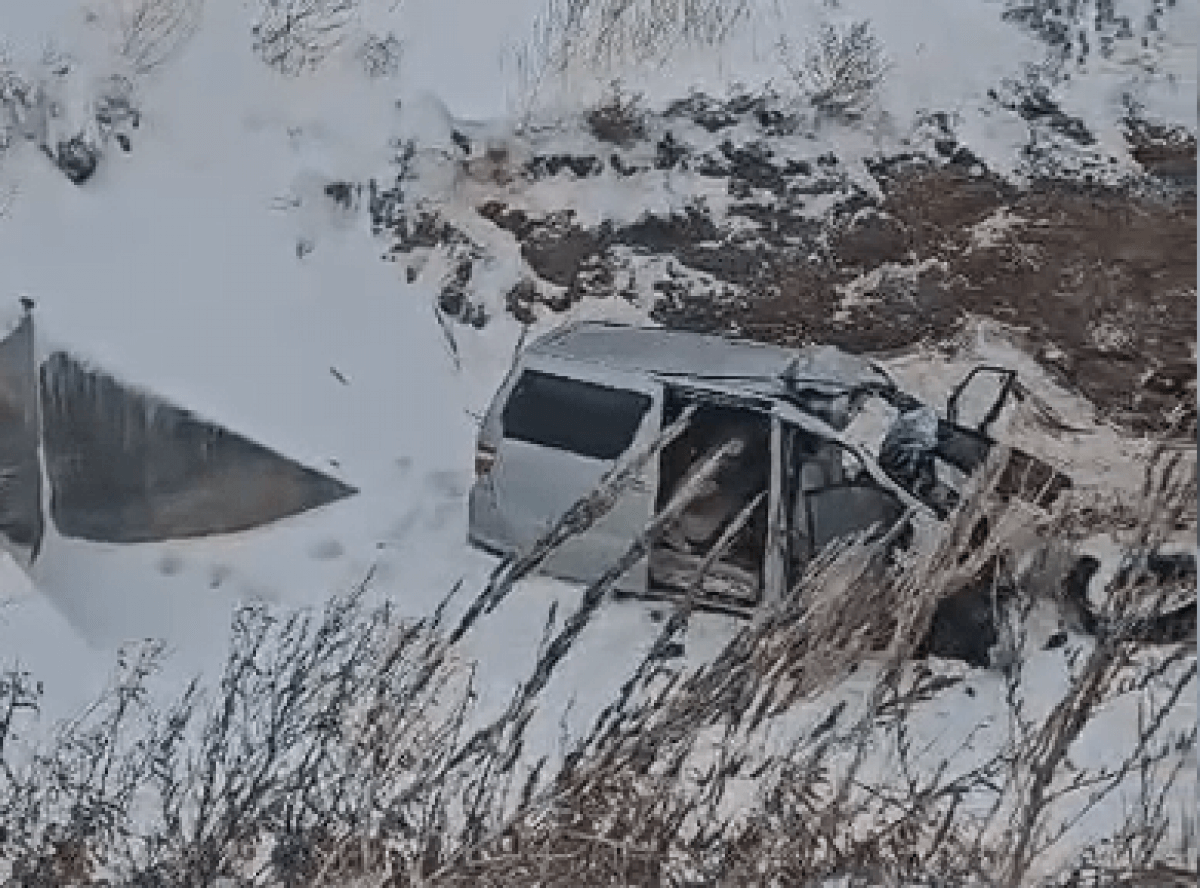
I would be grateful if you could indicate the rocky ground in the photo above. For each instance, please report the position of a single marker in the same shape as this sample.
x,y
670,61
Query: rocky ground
x,y
1095,276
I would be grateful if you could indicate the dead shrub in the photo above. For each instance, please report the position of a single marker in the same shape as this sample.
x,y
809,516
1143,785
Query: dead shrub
x,y
294,36
150,32
609,36
840,71
336,742
380,55
619,119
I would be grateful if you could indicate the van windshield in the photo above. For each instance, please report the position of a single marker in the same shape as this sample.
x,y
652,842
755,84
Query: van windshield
x,y
587,419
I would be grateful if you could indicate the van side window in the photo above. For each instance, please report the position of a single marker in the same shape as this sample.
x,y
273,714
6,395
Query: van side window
x,y
568,414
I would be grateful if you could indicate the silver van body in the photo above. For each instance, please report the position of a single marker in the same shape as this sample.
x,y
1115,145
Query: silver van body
x,y
583,397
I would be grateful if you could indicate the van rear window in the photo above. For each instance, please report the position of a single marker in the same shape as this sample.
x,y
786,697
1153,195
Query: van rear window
x,y
588,419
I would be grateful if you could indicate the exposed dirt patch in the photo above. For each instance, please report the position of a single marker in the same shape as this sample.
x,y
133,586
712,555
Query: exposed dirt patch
x,y
715,115
1104,284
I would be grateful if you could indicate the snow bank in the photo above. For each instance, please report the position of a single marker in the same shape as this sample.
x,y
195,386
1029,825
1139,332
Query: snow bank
x,y
35,637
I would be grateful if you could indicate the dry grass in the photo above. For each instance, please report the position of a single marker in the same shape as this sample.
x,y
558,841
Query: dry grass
x,y
294,36
333,749
608,37
150,32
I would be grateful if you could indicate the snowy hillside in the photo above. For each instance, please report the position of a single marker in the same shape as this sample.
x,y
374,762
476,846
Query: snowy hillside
x,y
329,235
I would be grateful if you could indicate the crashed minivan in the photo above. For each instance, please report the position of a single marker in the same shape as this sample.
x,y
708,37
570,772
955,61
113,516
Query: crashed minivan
x,y
765,471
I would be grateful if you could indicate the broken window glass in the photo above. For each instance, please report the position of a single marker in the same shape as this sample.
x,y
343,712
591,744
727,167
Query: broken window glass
x,y
909,449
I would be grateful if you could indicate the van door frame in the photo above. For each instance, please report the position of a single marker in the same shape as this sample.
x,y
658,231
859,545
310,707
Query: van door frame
x,y
585,557
762,407
612,533
775,554
794,421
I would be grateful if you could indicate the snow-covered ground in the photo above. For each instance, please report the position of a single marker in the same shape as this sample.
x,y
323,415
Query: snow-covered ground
x,y
176,269
179,268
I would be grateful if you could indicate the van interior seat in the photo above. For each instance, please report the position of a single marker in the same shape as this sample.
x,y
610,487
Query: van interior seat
x,y
824,469
705,517
711,516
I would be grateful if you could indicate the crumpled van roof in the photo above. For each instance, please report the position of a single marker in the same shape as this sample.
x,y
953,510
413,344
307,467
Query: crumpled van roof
x,y
738,363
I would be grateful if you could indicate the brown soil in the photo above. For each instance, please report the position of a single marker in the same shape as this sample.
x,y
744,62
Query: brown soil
x,y
1103,284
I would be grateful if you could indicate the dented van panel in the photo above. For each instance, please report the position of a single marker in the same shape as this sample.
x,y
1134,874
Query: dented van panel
x,y
551,436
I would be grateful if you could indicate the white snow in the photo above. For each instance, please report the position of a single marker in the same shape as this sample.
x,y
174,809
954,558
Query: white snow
x,y
35,638
865,289
991,231
176,269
